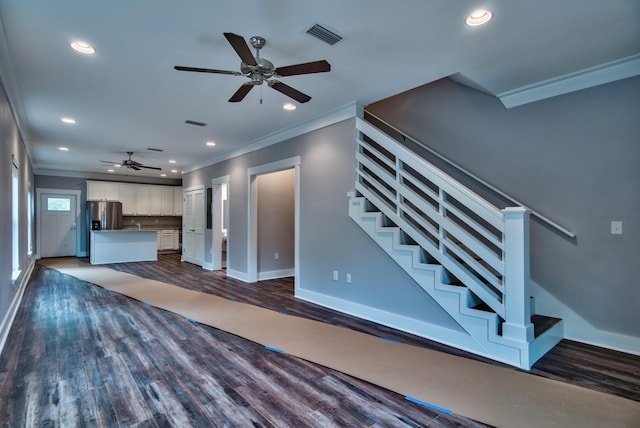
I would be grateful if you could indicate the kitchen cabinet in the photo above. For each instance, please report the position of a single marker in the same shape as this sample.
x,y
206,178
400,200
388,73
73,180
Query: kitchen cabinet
x,y
102,190
112,191
155,200
138,199
128,198
168,240
166,198
142,199
96,190
177,201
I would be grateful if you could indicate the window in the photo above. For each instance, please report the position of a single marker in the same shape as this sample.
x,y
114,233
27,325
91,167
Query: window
x,y
58,204
30,220
15,223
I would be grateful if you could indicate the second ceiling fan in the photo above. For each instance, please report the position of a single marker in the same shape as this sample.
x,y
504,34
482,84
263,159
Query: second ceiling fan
x,y
260,70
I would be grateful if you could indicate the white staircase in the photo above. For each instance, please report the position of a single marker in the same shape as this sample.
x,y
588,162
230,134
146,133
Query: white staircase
x,y
469,256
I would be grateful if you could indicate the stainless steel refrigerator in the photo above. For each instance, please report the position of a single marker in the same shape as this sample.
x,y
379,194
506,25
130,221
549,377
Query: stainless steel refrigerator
x,y
102,215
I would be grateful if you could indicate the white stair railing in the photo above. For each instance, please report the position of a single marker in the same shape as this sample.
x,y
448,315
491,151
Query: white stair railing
x,y
485,248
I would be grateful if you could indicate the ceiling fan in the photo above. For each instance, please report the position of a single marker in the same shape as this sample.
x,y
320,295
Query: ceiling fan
x,y
260,70
131,164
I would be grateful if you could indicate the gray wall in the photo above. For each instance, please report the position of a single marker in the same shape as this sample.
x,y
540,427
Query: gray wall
x,y
276,229
11,144
574,158
329,239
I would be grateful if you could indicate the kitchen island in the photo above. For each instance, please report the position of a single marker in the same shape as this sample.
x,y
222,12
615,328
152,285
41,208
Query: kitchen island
x,y
120,246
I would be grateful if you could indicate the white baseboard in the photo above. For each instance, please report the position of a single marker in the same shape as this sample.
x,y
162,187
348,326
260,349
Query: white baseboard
x,y
443,335
577,328
242,276
7,322
274,274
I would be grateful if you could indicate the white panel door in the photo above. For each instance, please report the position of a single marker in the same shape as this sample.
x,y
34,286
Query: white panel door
x,y
193,226
58,225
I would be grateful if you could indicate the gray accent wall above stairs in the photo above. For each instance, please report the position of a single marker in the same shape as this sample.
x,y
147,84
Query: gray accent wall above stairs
x,y
575,158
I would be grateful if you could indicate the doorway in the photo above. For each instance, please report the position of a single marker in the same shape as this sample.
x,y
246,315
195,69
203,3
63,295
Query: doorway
x,y
252,247
219,221
58,216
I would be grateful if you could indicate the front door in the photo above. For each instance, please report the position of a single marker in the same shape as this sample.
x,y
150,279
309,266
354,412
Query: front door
x,y
193,226
58,225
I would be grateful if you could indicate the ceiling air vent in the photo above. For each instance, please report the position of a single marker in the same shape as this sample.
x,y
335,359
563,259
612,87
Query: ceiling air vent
x,y
193,122
324,34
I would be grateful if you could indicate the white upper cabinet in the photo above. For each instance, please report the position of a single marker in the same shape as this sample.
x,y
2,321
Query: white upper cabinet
x,y
177,201
112,191
128,198
155,200
142,199
138,199
96,190
167,200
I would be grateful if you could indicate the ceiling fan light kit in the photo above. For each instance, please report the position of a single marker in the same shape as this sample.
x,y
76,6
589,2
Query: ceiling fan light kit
x,y
260,70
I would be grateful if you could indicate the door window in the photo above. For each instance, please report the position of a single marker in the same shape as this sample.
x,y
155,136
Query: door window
x,y
58,204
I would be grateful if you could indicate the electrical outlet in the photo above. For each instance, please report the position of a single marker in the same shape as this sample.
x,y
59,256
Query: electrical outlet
x,y
348,278
276,256
616,227
335,275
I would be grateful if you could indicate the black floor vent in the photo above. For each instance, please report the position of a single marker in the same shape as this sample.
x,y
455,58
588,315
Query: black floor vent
x,y
324,34
193,122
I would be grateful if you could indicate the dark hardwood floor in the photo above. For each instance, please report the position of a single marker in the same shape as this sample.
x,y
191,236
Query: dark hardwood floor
x,y
79,355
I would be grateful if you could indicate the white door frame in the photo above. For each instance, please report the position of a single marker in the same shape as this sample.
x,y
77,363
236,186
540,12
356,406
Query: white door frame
x,y
252,221
216,221
79,222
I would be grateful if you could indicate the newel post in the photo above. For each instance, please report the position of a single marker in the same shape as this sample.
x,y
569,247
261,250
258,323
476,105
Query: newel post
x,y
517,325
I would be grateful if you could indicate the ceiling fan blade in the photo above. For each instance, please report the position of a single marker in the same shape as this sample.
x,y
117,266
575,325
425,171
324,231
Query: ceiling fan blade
x,y
242,49
289,91
112,163
147,167
240,93
134,167
307,68
207,70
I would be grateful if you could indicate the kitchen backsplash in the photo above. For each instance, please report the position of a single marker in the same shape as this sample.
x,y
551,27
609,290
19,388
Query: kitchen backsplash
x,y
152,223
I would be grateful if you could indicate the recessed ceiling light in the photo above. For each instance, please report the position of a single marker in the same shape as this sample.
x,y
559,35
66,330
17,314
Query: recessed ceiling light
x,y
63,149
289,107
117,165
479,17
210,143
82,47
163,175
172,161
110,170
68,120
174,170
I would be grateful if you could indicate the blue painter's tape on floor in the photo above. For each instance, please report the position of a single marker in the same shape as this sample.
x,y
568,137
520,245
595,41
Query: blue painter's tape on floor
x,y
388,340
432,406
191,320
274,349
285,314
148,304
232,300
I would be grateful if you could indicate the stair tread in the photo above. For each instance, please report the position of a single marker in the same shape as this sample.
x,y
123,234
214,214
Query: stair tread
x,y
542,323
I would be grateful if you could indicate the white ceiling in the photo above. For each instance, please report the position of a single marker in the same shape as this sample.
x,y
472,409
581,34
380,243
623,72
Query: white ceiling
x,y
128,97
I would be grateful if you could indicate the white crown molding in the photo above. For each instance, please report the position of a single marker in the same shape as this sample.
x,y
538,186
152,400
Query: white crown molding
x,y
587,78
345,112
